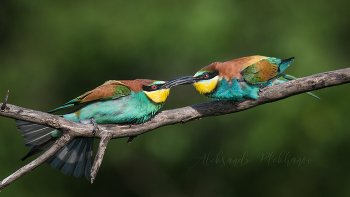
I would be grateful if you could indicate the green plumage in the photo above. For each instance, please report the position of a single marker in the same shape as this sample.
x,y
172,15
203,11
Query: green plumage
x,y
251,74
119,91
134,108
111,103
284,78
242,78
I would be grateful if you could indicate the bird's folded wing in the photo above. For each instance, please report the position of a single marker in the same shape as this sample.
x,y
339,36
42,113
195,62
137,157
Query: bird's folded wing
x,y
109,90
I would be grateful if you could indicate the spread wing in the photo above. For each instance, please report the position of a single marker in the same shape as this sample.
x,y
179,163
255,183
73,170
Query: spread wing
x,y
109,90
260,72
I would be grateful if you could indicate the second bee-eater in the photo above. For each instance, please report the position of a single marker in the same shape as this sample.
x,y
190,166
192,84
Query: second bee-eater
x,y
242,78
114,102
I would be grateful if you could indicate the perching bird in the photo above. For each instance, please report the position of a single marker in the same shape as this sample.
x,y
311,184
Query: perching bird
x,y
241,78
126,101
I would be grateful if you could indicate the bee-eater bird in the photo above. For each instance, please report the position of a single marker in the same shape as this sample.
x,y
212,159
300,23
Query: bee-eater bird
x,y
114,102
241,78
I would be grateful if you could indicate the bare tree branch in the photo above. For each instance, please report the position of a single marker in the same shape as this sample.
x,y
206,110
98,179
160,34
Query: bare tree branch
x,y
99,156
65,139
168,117
5,101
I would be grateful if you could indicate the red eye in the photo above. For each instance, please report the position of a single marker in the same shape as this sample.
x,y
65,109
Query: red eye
x,y
205,75
154,87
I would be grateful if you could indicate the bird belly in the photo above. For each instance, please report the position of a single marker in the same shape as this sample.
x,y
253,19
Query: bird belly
x,y
123,110
235,91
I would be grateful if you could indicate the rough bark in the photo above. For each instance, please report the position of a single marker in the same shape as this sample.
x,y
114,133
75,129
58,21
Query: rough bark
x,y
168,117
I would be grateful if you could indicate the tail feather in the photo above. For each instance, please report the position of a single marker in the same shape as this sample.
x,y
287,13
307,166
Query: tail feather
x,y
37,149
289,77
281,78
88,163
62,158
49,161
35,134
62,107
311,94
39,139
80,167
284,64
41,131
71,163
29,127
20,122
73,159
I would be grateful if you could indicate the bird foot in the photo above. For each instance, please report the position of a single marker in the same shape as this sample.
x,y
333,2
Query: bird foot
x,y
234,103
230,101
95,126
261,89
222,103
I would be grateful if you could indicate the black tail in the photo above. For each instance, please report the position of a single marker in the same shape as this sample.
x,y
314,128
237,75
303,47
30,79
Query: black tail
x,y
38,137
285,63
73,159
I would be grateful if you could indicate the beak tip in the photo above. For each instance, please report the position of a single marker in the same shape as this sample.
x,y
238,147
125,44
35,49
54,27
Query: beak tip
x,y
179,81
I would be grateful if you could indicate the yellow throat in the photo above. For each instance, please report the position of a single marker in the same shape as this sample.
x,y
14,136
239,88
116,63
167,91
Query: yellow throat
x,y
158,96
206,86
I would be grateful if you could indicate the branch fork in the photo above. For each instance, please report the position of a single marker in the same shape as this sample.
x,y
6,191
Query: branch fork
x,y
99,155
163,118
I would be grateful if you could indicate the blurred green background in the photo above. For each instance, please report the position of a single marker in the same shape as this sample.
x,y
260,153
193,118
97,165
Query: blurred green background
x,y
53,51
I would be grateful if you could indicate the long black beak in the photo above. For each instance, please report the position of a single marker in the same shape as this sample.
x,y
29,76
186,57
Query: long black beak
x,y
178,81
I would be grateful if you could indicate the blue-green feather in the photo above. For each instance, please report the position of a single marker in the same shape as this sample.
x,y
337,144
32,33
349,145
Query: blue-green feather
x,y
134,108
240,91
283,64
234,90
76,157
281,78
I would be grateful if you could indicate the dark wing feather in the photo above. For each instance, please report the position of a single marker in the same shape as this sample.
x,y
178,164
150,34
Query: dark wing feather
x,y
260,72
109,90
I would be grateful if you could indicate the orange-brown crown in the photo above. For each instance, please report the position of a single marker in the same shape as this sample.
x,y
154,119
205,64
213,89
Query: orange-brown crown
x,y
136,85
232,69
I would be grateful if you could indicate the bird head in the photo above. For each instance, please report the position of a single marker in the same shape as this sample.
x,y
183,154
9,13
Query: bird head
x,y
158,91
154,90
206,79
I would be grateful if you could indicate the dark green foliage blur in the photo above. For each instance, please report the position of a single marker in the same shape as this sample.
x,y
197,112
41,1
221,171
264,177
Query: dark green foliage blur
x,y
54,51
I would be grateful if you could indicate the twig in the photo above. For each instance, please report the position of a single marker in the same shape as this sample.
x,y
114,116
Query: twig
x,y
99,156
168,117
3,106
65,139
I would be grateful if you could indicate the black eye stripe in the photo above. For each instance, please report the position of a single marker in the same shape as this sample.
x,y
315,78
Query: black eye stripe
x,y
150,89
208,75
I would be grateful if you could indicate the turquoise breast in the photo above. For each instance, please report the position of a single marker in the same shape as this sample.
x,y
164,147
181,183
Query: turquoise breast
x,y
235,91
134,108
240,91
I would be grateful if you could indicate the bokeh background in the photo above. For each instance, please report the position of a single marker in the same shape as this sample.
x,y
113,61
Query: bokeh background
x,y
53,51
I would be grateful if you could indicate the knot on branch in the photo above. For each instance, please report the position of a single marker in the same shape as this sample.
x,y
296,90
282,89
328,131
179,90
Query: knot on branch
x,y
52,122
312,83
3,106
64,140
3,109
106,132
